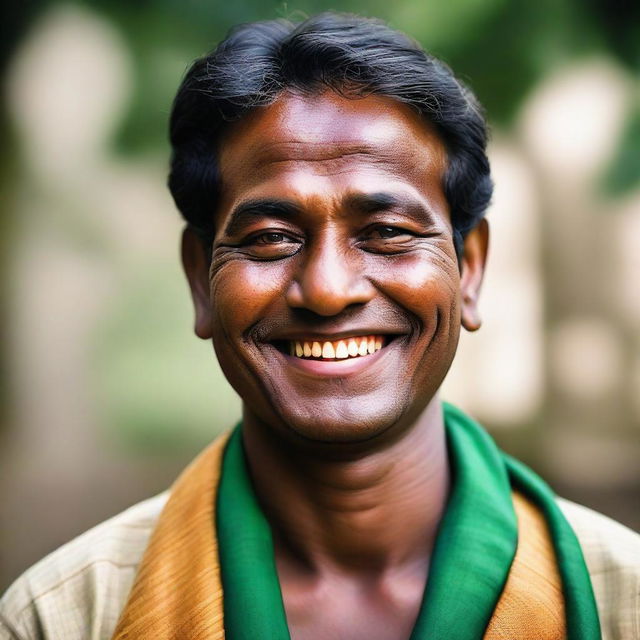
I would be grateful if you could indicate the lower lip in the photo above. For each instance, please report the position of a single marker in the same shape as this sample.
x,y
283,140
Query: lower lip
x,y
335,368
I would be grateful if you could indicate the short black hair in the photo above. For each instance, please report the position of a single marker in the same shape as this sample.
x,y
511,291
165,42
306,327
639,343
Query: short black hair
x,y
353,56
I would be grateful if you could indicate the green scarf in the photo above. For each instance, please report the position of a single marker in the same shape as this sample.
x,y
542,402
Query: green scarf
x,y
474,548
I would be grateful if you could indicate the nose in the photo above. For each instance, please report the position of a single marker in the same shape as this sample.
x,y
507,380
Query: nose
x,y
330,279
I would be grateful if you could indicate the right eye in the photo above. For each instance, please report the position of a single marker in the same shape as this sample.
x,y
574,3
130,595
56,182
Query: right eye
x,y
272,245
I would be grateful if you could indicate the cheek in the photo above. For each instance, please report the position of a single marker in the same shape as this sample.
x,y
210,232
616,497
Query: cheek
x,y
423,285
242,290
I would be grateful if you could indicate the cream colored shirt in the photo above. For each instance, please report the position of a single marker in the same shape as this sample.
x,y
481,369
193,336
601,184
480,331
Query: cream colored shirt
x,y
78,591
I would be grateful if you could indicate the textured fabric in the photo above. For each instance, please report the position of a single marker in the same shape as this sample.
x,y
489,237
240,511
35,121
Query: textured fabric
x,y
177,592
253,605
67,613
612,553
581,612
78,592
476,541
534,608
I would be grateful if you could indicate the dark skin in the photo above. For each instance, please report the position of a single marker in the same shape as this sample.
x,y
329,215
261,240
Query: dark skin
x,y
333,225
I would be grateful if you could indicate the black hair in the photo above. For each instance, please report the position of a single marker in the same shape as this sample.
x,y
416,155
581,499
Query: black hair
x,y
349,54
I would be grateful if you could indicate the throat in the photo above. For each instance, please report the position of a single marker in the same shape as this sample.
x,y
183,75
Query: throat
x,y
366,516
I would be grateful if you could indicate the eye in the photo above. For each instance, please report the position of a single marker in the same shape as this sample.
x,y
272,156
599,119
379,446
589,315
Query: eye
x,y
386,232
272,237
271,245
389,232
387,239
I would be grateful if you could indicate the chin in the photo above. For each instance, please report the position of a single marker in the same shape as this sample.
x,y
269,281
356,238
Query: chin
x,y
339,424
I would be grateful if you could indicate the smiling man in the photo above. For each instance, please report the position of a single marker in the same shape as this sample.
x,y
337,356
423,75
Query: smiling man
x,y
334,181
334,230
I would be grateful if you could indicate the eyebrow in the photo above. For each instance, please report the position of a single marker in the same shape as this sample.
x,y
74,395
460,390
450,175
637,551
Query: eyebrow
x,y
361,203
259,208
367,203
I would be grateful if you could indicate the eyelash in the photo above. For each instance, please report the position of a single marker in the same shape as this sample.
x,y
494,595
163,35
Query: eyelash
x,y
275,244
255,239
395,231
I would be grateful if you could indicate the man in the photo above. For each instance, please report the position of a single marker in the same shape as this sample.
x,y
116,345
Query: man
x,y
334,181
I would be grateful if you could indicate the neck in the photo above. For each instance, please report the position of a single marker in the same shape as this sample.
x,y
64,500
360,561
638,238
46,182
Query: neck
x,y
371,512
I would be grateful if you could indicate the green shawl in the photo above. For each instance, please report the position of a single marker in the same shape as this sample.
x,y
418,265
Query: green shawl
x,y
473,553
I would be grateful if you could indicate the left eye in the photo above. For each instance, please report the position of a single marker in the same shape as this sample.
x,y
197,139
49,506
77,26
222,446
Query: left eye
x,y
387,239
388,232
272,238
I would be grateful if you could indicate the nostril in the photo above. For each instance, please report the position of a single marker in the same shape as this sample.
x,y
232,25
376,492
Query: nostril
x,y
328,282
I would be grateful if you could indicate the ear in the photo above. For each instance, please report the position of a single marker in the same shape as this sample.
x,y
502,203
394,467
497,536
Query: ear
x,y
196,268
474,258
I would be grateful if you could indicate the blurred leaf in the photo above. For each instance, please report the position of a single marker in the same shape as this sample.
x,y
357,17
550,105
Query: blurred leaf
x,y
15,18
619,22
500,47
505,58
624,171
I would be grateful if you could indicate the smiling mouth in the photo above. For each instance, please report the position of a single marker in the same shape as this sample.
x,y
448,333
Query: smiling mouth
x,y
332,350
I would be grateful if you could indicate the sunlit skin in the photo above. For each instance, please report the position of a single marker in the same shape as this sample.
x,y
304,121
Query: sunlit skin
x,y
332,224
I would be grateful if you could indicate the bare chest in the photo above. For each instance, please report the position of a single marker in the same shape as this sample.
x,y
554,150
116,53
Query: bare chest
x,y
350,612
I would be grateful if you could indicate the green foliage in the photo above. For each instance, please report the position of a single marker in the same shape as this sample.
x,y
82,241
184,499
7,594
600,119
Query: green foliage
x,y
624,172
501,48
161,397
618,21
158,386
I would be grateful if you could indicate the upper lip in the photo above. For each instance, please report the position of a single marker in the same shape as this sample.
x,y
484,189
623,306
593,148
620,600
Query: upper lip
x,y
332,336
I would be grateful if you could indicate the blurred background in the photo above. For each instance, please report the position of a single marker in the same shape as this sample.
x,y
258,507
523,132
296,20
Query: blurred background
x,y
107,394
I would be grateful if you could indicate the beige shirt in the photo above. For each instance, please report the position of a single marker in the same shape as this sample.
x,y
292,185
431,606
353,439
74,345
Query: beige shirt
x,y
78,591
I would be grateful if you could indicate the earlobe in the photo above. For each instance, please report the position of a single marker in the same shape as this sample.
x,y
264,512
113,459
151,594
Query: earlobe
x,y
476,245
196,268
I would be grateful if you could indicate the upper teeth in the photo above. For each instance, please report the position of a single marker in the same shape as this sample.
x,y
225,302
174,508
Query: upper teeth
x,y
336,349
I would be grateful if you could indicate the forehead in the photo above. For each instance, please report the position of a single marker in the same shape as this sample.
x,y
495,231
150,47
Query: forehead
x,y
333,138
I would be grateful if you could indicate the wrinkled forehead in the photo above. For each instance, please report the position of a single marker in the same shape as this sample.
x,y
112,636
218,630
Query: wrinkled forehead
x,y
329,133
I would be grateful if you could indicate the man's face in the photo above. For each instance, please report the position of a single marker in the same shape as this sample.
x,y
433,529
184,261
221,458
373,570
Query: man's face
x,y
334,292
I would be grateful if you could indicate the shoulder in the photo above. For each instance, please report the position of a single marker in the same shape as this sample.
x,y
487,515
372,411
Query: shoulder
x,y
612,554
79,590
